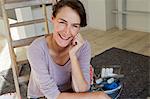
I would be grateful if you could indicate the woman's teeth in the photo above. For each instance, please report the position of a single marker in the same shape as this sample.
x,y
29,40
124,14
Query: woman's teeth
x,y
63,37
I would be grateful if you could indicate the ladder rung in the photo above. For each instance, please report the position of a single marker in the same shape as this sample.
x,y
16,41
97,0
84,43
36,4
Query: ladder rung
x,y
22,62
23,79
24,42
12,1
26,3
27,22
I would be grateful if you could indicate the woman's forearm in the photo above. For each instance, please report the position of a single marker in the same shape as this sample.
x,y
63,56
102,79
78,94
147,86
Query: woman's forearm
x,y
79,83
85,95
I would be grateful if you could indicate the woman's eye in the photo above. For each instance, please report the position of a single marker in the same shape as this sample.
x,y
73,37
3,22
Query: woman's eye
x,y
76,26
62,22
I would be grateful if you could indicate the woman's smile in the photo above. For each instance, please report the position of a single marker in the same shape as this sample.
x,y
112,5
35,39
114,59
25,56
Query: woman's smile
x,y
64,37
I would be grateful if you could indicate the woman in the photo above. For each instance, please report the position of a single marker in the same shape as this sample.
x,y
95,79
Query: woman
x,y
60,61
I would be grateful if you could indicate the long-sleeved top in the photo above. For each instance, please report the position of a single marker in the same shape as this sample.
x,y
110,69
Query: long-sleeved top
x,y
48,78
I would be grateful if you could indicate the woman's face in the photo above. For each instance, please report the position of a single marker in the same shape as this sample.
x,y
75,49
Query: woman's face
x,y
66,26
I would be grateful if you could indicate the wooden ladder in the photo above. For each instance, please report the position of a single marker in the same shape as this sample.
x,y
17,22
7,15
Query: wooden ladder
x,y
13,4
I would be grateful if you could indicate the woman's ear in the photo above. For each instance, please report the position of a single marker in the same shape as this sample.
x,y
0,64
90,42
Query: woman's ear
x,y
52,19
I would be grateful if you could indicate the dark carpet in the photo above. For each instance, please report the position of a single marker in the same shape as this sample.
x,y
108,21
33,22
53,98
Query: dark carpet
x,y
134,66
7,82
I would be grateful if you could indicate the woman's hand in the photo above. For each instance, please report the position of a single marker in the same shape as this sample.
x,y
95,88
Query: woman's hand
x,y
77,42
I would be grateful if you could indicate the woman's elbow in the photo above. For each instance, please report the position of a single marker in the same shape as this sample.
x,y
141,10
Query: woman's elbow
x,y
84,88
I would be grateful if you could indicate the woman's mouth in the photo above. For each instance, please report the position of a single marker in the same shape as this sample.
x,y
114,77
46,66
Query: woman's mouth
x,y
64,38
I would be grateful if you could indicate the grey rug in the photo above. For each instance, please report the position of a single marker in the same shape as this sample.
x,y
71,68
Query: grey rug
x,y
134,66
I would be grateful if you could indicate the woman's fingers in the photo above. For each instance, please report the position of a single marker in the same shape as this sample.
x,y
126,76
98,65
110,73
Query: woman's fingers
x,y
78,39
77,42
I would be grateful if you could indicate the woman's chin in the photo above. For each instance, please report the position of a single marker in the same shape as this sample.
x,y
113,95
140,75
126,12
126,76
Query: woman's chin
x,y
63,45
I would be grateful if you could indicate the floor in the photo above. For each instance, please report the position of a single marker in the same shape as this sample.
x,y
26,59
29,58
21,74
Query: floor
x,y
135,41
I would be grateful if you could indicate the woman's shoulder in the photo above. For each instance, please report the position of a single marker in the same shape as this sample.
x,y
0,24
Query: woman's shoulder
x,y
86,48
39,40
38,43
86,45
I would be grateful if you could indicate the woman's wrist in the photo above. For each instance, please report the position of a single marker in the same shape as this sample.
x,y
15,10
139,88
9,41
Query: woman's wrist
x,y
73,57
71,54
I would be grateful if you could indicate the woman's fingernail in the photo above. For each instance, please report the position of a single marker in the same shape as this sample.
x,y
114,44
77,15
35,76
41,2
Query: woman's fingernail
x,y
75,43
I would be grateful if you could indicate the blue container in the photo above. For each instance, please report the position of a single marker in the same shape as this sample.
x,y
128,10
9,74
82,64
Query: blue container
x,y
114,93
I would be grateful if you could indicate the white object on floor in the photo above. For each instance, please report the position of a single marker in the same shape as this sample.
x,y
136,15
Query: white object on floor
x,y
111,80
98,81
8,96
111,71
103,72
107,72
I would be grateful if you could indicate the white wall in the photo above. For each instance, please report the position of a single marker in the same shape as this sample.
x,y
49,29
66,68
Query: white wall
x,y
120,18
100,14
97,12
139,5
138,22
101,17
25,14
110,17
28,13
37,14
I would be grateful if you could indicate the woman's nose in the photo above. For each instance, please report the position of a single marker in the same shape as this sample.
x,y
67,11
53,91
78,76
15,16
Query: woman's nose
x,y
67,29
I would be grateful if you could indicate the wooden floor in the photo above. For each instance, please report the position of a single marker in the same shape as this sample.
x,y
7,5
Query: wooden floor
x,y
138,42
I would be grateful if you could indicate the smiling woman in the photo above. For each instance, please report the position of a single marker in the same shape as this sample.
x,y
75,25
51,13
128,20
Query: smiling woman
x,y
60,61
66,26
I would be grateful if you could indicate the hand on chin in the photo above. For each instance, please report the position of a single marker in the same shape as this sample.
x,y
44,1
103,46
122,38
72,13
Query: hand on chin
x,y
76,44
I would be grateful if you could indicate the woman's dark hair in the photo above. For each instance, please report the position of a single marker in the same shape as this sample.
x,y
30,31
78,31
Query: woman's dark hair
x,y
75,5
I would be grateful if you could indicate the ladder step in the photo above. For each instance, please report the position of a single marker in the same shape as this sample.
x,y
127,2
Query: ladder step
x,y
22,62
27,22
24,42
12,4
13,1
23,79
